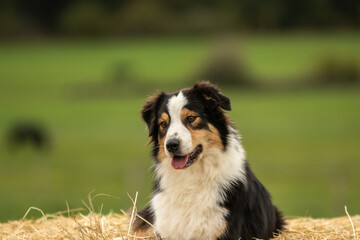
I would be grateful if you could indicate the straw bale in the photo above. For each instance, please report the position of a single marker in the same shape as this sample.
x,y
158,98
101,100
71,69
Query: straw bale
x,y
98,226
73,224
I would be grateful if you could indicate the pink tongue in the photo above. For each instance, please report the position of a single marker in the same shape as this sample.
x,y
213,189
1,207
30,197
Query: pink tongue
x,y
179,162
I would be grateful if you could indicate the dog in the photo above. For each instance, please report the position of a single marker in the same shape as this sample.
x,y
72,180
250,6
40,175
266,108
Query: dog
x,y
204,187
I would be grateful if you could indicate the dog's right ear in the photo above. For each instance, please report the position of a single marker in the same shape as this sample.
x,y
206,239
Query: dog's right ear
x,y
149,111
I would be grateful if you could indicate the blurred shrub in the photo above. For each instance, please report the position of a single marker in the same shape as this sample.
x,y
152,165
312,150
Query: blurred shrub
x,y
85,18
335,71
225,68
122,72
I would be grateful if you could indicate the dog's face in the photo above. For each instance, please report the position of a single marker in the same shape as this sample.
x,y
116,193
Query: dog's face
x,y
186,124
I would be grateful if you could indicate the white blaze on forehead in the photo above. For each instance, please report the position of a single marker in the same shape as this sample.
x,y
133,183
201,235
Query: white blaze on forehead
x,y
176,104
177,128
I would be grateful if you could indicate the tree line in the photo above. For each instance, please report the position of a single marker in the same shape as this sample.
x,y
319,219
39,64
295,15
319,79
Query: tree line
x,y
111,17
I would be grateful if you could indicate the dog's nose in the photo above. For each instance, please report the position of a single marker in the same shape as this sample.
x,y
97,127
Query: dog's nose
x,y
173,145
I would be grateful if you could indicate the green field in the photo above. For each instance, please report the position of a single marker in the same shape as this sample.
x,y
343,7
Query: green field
x,y
303,145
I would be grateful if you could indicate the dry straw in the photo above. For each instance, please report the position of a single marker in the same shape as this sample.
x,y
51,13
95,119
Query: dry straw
x,y
118,226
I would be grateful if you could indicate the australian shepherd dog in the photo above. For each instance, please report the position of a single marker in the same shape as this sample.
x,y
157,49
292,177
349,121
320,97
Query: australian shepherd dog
x,y
204,187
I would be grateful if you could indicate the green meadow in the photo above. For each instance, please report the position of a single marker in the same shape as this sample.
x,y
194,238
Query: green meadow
x,y
304,145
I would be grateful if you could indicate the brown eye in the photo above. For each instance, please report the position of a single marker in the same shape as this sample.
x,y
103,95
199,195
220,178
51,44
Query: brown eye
x,y
190,119
163,124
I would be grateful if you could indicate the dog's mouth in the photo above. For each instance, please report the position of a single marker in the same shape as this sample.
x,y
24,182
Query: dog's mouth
x,y
180,162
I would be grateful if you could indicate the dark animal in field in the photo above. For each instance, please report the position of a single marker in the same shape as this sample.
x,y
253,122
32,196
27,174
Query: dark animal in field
x,y
28,134
204,187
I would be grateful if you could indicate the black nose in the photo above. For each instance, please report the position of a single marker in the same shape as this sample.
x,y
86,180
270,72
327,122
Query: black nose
x,y
173,145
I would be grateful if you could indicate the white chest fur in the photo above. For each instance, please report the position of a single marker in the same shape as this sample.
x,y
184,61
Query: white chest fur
x,y
188,205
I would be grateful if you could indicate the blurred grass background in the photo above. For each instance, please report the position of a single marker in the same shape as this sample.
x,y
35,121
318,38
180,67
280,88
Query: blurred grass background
x,y
300,118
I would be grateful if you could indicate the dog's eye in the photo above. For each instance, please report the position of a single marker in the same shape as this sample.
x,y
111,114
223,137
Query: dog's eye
x,y
163,124
190,119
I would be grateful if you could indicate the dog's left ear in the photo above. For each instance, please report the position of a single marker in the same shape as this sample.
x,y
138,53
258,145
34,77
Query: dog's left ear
x,y
148,113
212,95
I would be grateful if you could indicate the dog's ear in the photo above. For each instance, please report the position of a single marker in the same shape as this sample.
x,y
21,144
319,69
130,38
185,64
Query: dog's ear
x,y
148,112
212,95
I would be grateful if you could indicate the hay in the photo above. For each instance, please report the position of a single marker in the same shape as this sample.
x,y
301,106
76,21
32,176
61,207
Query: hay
x,y
116,226
97,226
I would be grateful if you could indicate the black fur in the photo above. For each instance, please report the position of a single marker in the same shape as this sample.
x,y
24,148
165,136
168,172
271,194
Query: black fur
x,y
146,214
251,213
149,114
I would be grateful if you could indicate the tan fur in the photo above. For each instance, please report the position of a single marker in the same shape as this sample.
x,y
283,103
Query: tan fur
x,y
185,113
208,138
164,117
161,153
207,98
222,230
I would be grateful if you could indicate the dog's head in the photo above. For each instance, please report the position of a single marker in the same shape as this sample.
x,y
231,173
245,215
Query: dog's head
x,y
186,124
